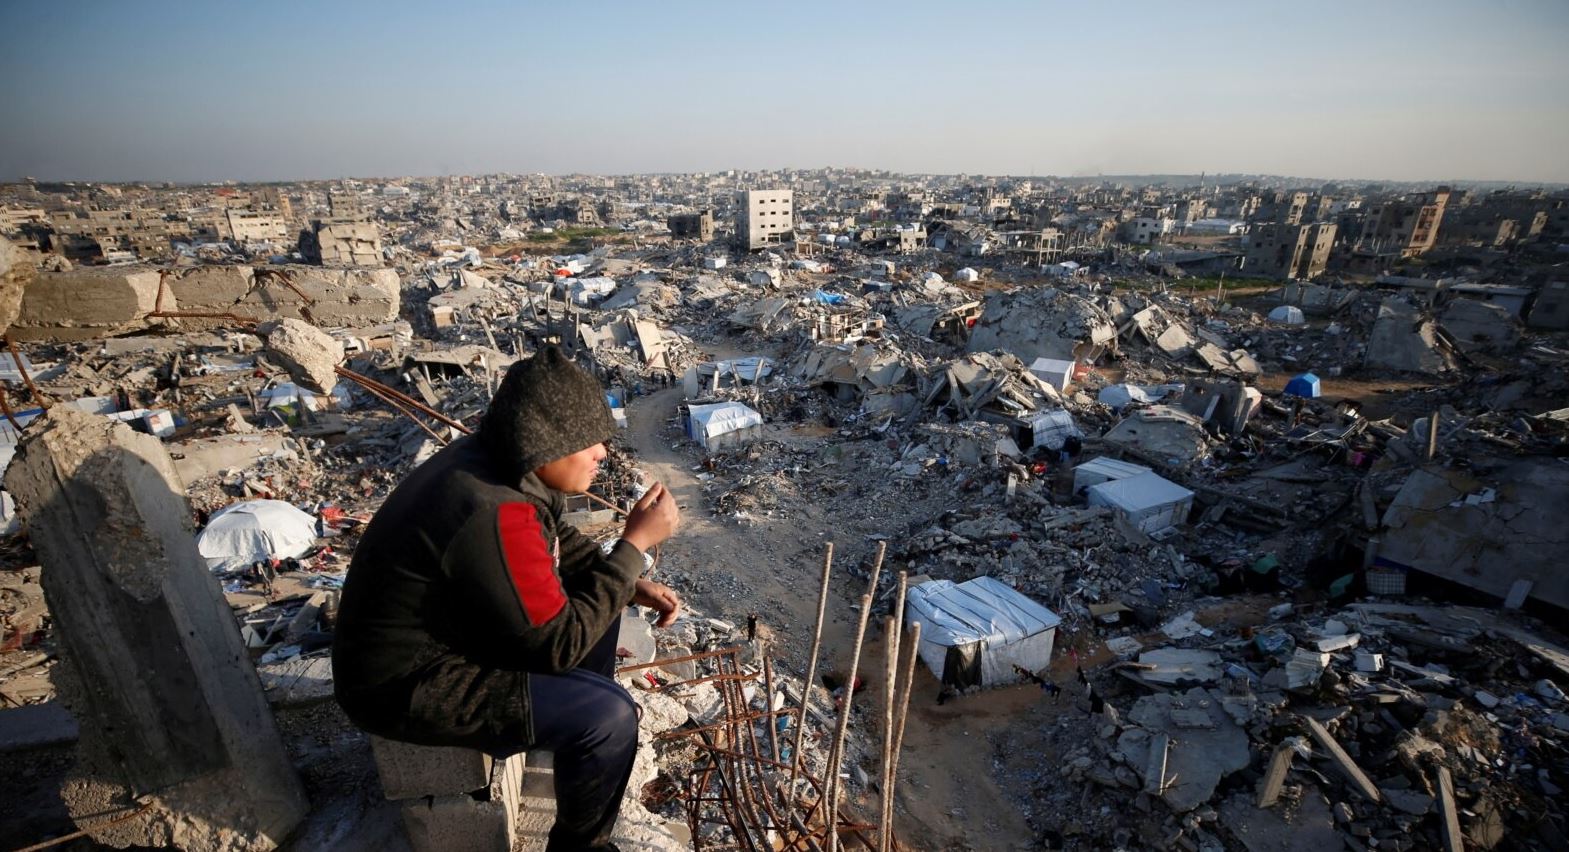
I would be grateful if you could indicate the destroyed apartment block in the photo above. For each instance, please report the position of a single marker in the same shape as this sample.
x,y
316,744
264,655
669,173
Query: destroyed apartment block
x,y
1482,528
708,379
342,243
1046,323
998,388
878,375
1231,516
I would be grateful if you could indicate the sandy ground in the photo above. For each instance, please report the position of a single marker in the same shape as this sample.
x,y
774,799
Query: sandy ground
x,y
947,796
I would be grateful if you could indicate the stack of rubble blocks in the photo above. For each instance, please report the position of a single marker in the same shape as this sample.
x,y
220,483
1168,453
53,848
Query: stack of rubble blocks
x,y
461,799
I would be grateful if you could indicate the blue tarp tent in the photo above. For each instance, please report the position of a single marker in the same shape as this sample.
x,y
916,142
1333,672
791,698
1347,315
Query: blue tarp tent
x,y
1305,385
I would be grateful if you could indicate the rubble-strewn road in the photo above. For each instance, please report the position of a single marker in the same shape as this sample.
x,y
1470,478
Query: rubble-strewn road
x,y
948,795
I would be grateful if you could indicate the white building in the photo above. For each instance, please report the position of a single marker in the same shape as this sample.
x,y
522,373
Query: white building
x,y
764,217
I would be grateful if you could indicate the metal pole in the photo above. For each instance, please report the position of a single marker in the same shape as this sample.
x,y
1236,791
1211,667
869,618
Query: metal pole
x,y
26,379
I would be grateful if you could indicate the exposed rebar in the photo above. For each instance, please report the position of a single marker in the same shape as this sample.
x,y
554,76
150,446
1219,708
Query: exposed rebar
x,y
836,753
811,667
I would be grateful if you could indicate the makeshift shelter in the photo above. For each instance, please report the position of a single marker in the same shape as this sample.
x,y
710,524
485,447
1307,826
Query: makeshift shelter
x,y
1123,395
1289,314
1305,386
723,425
1104,469
1053,371
974,633
255,530
713,376
1149,501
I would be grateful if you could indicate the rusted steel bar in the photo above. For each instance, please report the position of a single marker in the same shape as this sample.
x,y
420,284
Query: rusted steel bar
x,y
704,679
895,633
836,753
682,732
440,439
756,759
735,705
26,379
163,275
740,831
368,382
773,727
811,664
890,686
898,731
5,405
606,503
703,655
244,321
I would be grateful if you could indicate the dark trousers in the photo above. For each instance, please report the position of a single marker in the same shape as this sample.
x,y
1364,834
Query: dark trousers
x,y
589,723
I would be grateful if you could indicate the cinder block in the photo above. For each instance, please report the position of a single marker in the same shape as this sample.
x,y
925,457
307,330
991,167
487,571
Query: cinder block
x,y
412,771
457,824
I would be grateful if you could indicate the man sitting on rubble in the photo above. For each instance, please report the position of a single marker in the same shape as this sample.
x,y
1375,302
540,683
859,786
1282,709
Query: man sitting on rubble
x,y
472,616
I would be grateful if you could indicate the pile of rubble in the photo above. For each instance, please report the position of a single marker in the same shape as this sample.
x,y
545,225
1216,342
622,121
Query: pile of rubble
x,y
1373,726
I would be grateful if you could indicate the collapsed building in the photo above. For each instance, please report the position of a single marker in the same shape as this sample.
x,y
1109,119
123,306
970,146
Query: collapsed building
x,y
1241,559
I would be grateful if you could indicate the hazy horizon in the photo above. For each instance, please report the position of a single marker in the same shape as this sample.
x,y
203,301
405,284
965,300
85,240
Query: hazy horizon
x,y
1393,92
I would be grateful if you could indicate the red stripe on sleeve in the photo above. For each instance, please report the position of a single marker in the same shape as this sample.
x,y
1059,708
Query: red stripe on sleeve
x,y
529,562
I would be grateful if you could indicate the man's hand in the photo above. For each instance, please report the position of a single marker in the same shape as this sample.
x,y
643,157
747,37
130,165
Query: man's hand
x,y
660,598
653,519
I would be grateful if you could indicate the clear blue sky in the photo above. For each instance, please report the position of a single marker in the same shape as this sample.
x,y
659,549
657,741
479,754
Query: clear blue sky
x,y
211,89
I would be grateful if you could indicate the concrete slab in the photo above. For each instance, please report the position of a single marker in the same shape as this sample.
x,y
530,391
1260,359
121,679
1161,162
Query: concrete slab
x,y
36,726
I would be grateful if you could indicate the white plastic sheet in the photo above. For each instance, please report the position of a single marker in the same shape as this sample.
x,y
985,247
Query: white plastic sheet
x,y
242,533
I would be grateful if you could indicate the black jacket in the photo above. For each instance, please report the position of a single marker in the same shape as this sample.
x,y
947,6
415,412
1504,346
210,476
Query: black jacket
x,y
462,569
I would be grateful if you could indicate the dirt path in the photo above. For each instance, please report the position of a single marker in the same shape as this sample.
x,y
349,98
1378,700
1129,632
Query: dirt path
x,y
948,798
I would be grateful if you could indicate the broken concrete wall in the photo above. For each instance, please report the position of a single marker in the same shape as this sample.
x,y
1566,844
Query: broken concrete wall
x,y
1045,323
151,660
1485,534
16,273
327,297
88,302
1406,340
85,303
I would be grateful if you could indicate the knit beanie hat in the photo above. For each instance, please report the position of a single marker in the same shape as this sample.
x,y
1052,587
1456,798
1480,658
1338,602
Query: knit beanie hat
x,y
546,408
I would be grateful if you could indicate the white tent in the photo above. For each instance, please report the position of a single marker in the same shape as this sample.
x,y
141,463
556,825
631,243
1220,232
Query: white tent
x,y
1104,469
1149,501
1053,371
974,633
1289,314
722,425
242,533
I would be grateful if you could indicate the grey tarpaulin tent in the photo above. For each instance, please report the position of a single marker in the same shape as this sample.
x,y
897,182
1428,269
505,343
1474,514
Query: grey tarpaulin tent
x,y
974,633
